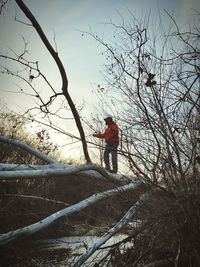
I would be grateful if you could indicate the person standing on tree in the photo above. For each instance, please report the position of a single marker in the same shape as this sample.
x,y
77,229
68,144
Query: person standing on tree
x,y
111,136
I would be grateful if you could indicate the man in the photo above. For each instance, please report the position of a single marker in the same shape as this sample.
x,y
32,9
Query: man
x,y
111,136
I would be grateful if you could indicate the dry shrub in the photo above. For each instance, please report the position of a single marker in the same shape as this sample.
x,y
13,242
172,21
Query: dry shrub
x,y
168,233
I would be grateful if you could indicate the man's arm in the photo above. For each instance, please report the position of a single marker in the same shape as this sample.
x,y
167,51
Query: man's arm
x,y
98,135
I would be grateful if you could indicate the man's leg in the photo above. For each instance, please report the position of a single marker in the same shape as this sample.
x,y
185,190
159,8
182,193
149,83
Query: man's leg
x,y
106,157
114,157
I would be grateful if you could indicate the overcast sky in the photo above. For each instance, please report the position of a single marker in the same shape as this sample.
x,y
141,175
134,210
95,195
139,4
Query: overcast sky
x,y
80,55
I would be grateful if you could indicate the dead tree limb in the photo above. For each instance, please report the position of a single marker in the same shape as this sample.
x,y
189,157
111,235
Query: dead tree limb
x,y
35,198
29,149
100,241
17,171
56,171
36,227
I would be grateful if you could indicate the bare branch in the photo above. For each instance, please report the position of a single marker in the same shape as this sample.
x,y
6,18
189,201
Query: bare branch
x,y
27,148
37,198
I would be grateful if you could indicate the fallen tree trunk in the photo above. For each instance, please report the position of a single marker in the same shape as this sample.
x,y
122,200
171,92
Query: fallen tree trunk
x,y
10,171
100,241
56,170
34,228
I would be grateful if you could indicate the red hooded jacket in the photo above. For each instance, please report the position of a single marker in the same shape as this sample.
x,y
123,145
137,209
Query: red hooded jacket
x,y
111,133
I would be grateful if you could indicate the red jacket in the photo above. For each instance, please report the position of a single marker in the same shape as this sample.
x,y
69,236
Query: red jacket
x,y
111,133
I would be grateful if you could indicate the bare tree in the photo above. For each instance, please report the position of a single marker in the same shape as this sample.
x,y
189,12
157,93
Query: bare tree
x,y
152,85
34,67
154,90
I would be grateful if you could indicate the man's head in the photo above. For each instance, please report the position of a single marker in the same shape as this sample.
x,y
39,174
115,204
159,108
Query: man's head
x,y
108,120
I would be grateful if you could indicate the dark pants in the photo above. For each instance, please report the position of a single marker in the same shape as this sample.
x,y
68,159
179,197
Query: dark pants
x,y
111,148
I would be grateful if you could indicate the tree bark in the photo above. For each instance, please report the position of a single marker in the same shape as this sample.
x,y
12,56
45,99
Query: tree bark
x,y
55,170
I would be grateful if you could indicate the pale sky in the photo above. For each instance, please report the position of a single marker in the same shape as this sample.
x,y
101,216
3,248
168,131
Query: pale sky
x,y
80,55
